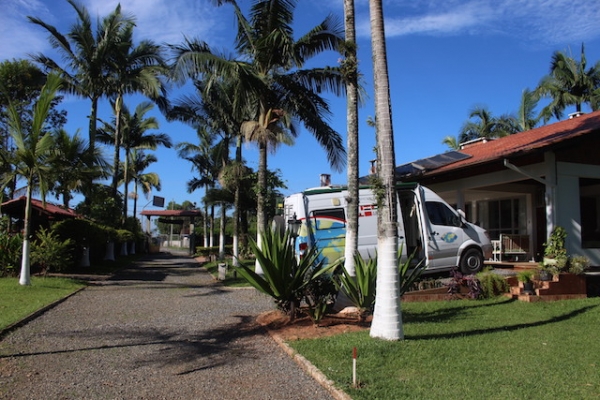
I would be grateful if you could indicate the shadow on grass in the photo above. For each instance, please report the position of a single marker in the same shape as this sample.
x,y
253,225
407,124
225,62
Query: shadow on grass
x,y
504,328
449,313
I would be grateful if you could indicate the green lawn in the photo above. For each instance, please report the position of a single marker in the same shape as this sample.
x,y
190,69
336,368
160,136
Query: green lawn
x,y
17,302
493,349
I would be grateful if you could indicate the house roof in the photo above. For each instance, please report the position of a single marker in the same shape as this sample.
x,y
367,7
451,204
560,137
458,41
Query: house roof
x,y
16,208
523,143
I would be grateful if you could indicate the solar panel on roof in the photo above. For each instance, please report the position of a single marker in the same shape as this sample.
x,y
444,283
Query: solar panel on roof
x,y
427,164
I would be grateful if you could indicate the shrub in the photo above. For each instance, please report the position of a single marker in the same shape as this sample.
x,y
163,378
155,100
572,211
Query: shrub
x,y
459,280
10,253
320,294
492,285
51,253
359,289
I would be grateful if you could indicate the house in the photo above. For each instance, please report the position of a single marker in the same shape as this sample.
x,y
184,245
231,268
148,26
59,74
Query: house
x,y
526,183
41,213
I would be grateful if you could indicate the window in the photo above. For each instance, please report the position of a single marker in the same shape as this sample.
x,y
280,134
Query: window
x,y
503,216
589,201
333,218
440,214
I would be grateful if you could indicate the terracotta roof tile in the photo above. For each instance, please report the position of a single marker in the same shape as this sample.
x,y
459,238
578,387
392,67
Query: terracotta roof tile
x,y
525,142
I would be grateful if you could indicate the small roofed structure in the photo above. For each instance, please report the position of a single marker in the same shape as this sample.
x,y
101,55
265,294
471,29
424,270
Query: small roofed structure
x,y
191,214
41,213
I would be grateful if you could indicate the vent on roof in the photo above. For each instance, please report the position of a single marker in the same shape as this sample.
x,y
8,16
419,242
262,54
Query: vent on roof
x,y
325,179
576,114
473,142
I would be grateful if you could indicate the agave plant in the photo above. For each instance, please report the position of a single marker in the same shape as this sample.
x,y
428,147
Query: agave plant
x,y
284,277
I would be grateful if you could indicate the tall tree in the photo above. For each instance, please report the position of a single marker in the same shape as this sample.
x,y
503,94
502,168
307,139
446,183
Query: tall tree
x,y
73,165
350,70
269,75
526,118
569,84
387,316
86,54
486,126
20,85
133,69
138,162
134,135
32,155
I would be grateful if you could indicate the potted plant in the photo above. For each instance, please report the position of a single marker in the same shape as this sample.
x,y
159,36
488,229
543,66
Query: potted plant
x,y
526,277
555,251
545,272
578,264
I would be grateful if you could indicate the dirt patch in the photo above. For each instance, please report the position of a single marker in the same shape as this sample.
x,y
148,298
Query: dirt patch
x,y
304,328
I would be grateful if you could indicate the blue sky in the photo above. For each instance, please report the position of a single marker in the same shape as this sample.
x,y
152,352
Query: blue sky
x,y
445,57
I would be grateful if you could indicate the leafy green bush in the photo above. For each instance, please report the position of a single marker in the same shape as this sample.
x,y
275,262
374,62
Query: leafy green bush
x,y
284,278
50,253
492,285
360,289
10,253
319,295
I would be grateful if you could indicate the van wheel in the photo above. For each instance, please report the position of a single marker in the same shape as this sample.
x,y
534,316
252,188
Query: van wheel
x,y
471,262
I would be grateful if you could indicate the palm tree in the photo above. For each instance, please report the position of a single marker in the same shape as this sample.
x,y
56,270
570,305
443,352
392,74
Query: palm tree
x,y
387,316
138,162
32,155
206,160
134,135
569,84
526,118
73,165
269,76
134,69
350,69
452,142
487,126
86,55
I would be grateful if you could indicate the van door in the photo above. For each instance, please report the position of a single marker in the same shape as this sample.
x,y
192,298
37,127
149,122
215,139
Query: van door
x,y
410,230
445,234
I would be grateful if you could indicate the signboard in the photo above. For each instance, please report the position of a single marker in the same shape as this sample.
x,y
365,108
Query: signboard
x,y
158,201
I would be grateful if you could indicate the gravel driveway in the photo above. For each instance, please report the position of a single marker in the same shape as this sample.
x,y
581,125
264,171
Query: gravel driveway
x,y
162,329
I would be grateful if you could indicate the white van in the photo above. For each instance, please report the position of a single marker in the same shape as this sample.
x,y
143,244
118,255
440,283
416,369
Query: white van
x,y
426,224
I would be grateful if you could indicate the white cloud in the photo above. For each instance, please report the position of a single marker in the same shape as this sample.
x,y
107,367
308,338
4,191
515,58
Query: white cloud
x,y
18,36
543,21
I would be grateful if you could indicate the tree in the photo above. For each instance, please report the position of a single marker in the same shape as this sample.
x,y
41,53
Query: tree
x,y
133,69
73,165
526,118
487,126
20,85
269,75
138,162
387,316
134,135
350,69
33,151
569,84
87,56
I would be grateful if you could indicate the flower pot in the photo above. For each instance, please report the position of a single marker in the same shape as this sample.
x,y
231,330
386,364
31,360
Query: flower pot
x,y
545,276
528,288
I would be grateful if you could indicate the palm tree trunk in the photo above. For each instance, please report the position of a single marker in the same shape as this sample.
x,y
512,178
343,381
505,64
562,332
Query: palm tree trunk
x,y
25,277
352,138
387,317
205,225
126,182
222,233
212,226
261,218
236,208
115,179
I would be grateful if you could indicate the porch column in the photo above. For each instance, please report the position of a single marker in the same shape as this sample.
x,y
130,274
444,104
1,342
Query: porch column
x,y
550,195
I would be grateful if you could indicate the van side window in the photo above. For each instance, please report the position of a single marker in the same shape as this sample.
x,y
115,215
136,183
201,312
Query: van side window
x,y
440,214
333,218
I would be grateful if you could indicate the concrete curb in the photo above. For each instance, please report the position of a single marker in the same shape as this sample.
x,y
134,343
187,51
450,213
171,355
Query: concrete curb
x,y
307,366
35,314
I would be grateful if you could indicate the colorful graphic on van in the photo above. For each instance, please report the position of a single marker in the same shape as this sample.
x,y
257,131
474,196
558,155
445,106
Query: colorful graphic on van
x,y
449,237
328,233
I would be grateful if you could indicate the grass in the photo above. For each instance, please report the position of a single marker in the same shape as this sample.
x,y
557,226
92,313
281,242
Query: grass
x,y
231,279
492,349
17,302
